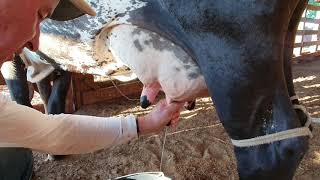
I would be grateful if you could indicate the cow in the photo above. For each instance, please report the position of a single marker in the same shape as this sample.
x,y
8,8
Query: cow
x,y
239,51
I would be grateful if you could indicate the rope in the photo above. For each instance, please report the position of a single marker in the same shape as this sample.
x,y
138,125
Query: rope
x,y
292,133
270,138
295,97
122,94
304,110
162,149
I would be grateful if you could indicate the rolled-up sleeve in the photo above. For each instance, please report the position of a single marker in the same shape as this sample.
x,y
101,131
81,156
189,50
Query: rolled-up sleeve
x,y
61,134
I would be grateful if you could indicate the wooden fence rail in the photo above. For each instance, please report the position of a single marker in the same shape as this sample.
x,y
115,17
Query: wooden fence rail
x,y
302,48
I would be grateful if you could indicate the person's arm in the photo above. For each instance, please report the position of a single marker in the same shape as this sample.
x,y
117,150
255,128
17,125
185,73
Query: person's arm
x,y
73,134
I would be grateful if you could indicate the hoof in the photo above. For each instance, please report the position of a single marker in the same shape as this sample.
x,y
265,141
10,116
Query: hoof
x,y
190,105
144,102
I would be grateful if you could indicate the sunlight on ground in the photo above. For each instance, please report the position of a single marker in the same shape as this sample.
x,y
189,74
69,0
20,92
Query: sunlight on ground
x,y
194,110
190,116
135,111
314,107
316,158
311,101
312,86
308,97
302,79
315,113
207,99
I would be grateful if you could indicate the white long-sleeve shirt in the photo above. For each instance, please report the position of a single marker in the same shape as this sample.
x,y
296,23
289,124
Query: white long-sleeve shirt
x,y
61,134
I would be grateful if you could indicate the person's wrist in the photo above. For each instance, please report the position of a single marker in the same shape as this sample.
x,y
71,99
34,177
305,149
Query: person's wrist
x,y
140,125
137,125
144,126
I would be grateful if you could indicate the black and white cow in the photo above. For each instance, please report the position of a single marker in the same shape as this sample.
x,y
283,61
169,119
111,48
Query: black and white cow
x,y
239,50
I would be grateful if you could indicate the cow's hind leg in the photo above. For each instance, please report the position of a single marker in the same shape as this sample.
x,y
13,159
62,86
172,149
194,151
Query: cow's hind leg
x,y
251,95
56,102
44,87
288,50
16,80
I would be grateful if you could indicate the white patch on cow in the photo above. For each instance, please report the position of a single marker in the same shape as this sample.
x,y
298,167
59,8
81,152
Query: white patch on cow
x,y
107,12
61,49
162,62
75,53
73,43
78,58
6,71
72,56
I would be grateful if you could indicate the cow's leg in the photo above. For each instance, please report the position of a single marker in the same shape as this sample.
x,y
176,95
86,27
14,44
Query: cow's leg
x,y
289,45
244,74
288,50
16,80
56,102
16,163
149,94
253,103
44,87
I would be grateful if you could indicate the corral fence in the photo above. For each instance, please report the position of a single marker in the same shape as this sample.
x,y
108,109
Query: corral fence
x,y
308,35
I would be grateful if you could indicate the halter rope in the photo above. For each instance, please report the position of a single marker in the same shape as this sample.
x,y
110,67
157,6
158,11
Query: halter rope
x,y
291,133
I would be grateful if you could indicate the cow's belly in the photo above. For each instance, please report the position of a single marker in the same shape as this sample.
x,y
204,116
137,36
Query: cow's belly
x,y
155,59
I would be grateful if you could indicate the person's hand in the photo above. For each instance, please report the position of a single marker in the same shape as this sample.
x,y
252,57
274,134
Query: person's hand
x,y
159,117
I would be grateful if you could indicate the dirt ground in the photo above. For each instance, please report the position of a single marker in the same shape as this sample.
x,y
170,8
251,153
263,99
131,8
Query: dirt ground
x,y
198,149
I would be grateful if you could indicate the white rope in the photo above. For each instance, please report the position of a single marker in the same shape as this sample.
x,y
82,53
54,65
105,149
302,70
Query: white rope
x,y
122,94
295,97
304,110
270,138
163,146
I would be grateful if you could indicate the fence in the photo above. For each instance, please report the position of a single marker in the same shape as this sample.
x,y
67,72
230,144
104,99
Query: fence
x,y
308,35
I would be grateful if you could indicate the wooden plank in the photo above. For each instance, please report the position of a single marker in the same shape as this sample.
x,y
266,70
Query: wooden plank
x,y
303,32
2,81
109,93
69,103
306,44
307,57
310,20
311,43
318,35
313,8
307,32
84,81
76,90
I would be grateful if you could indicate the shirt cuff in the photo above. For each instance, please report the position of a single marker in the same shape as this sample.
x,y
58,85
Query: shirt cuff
x,y
129,128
